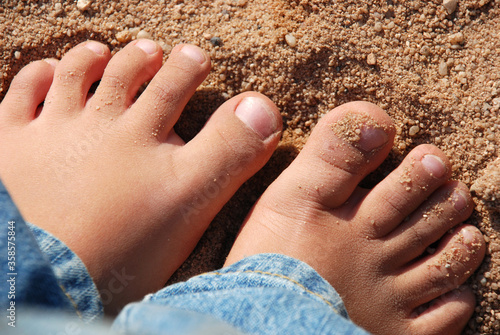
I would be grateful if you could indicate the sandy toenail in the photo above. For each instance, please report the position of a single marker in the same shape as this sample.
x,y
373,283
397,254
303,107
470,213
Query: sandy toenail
x,y
372,138
434,165
361,131
96,47
459,200
468,236
194,53
257,116
147,46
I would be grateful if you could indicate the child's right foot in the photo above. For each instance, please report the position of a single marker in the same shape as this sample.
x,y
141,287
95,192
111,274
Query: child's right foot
x,y
377,248
109,176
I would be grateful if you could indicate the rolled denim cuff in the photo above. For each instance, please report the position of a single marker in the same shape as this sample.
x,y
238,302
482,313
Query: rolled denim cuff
x,y
265,271
280,271
262,294
71,274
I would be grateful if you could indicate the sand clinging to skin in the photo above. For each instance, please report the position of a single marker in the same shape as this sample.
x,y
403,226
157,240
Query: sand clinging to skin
x,y
433,65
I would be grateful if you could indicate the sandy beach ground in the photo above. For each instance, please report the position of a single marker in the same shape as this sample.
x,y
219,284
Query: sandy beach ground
x,y
434,67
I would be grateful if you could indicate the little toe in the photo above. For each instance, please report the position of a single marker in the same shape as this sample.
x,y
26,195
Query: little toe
x,y
424,170
447,207
27,91
235,143
131,67
456,258
161,104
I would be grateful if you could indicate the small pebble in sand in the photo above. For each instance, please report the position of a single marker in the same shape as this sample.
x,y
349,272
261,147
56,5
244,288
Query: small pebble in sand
x,y
216,41
134,31
144,34
17,55
291,40
123,36
457,38
443,69
450,5
83,4
378,27
371,59
414,130
57,10
425,50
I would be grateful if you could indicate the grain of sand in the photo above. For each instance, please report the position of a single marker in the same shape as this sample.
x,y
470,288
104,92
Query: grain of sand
x,y
434,68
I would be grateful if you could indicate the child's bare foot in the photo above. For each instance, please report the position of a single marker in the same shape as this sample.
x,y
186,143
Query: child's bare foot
x,y
377,248
108,175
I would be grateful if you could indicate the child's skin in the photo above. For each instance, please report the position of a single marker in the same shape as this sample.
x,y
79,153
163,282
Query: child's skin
x,y
109,176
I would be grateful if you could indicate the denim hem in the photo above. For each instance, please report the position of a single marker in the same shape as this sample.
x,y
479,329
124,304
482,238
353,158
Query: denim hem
x,y
280,267
72,275
262,294
264,270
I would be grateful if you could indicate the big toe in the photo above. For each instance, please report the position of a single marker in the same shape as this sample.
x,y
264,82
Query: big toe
x,y
235,143
347,144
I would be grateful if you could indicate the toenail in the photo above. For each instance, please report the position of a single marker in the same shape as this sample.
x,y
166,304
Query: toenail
x,y
468,236
147,46
194,53
434,165
257,116
372,138
96,47
459,200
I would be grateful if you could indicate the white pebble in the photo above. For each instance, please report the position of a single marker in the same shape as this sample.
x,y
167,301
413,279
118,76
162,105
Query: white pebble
x,y
123,36
143,34
378,27
425,50
371,59
414,130
17,54
457,38
83,4
450,5
134,31
291,40
443,69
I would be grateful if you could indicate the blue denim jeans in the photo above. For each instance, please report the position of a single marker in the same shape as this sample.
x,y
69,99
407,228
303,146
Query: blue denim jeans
x,y
46,289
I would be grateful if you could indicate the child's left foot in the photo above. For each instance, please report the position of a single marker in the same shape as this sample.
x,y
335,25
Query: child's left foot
x,y
109,176
386,251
